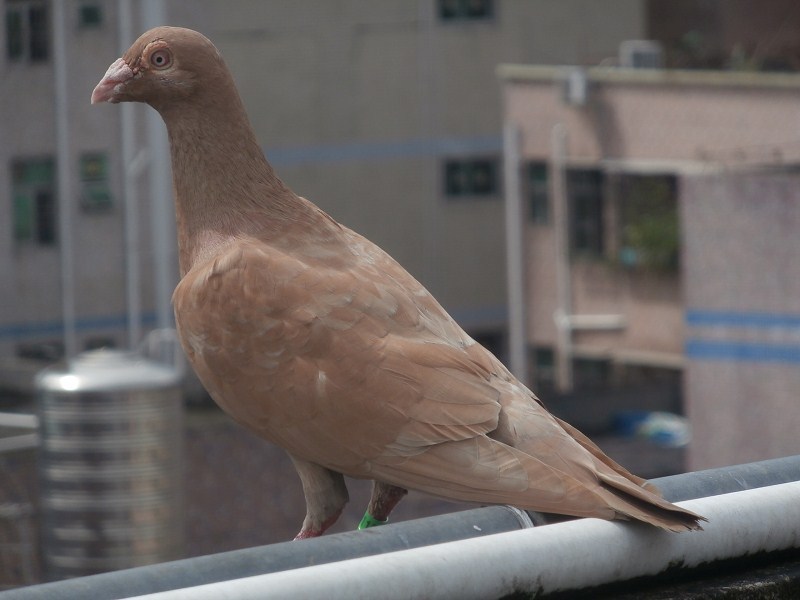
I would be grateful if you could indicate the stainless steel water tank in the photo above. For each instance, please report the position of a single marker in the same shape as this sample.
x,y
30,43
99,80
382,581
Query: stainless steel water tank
x,y
111,464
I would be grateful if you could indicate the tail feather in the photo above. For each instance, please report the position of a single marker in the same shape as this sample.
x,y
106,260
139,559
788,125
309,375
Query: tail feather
x,y
598,454
632,501
631,496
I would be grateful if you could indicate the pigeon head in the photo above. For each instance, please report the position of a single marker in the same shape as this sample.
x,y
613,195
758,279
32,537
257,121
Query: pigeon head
x,y
163,67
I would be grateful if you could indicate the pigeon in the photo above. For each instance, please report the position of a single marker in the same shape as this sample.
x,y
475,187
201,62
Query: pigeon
x,y
314,338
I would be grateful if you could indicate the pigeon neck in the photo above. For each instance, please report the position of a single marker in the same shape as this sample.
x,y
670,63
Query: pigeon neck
x,y
224,186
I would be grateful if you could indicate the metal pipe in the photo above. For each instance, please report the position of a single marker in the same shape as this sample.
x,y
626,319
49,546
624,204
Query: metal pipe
x,y
133,277
22,441
724,480
596,322
515,254
61,61
558,193
538,560
400,536
162,211
279,557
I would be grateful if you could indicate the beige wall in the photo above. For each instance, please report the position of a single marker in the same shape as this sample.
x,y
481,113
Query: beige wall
x,y
649,302
31,295
315,75
676,119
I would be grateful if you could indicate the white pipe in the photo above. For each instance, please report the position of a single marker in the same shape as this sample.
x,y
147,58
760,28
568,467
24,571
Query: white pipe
x,y
596,322
64,170
162,213
133,278
428,104
558,192
515,254
571,555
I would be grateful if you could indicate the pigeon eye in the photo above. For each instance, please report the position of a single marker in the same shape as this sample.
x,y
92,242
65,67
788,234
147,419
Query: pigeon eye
x,y
161,59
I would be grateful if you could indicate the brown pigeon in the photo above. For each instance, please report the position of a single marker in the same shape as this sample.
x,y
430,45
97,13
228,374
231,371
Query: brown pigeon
x,y
318,341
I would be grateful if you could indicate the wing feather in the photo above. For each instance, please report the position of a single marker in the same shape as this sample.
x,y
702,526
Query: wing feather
x,y
335,370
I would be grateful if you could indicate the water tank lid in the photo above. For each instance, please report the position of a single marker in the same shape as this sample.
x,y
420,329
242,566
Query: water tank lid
x,y
107,370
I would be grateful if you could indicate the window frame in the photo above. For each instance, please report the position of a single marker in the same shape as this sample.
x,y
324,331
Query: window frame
x,y
585,189
461,11
96,196
648,221
536,190
38,197
466,167
29,41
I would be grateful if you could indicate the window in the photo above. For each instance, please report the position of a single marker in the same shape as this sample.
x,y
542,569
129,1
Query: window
x,y
94,177
27,31
34,198
544,368
649,235
493,341
585,194
591,373
90,15
537,193
466,10
476,178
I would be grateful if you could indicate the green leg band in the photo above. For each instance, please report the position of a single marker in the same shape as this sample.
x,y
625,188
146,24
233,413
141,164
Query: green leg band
x,y
369,521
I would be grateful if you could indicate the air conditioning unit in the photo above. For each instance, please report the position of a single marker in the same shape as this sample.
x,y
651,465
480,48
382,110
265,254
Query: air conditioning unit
x,y
641,54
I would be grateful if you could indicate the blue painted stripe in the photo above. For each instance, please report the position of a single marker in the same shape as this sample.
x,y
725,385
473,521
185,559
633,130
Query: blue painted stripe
x,y
742,351
383,151
56,327
712,318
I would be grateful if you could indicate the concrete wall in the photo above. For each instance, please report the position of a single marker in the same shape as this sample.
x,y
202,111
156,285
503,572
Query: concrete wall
x,y
742,294
356,102
30,302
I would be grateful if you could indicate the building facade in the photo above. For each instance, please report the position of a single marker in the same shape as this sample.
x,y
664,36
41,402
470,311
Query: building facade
x,y
386,114
681,229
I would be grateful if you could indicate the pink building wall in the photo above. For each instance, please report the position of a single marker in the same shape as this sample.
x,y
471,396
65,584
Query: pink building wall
x,y
730,318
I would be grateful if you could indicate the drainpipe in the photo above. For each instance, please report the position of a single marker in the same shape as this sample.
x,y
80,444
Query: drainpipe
x,y
515,255
64,167
153,13
133,279
558,192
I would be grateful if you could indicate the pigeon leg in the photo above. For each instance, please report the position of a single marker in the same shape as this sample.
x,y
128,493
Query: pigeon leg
x,y
326,495
383,500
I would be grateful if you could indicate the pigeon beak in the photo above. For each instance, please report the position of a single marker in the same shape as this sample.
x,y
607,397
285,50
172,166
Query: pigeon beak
x,y
111,84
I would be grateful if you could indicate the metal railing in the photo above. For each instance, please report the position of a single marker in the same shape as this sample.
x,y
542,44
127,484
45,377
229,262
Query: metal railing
x,y
19,441
479,553
17,537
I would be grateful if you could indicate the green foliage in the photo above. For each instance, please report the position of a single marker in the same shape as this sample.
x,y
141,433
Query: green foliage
x,y
654,238
650,228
